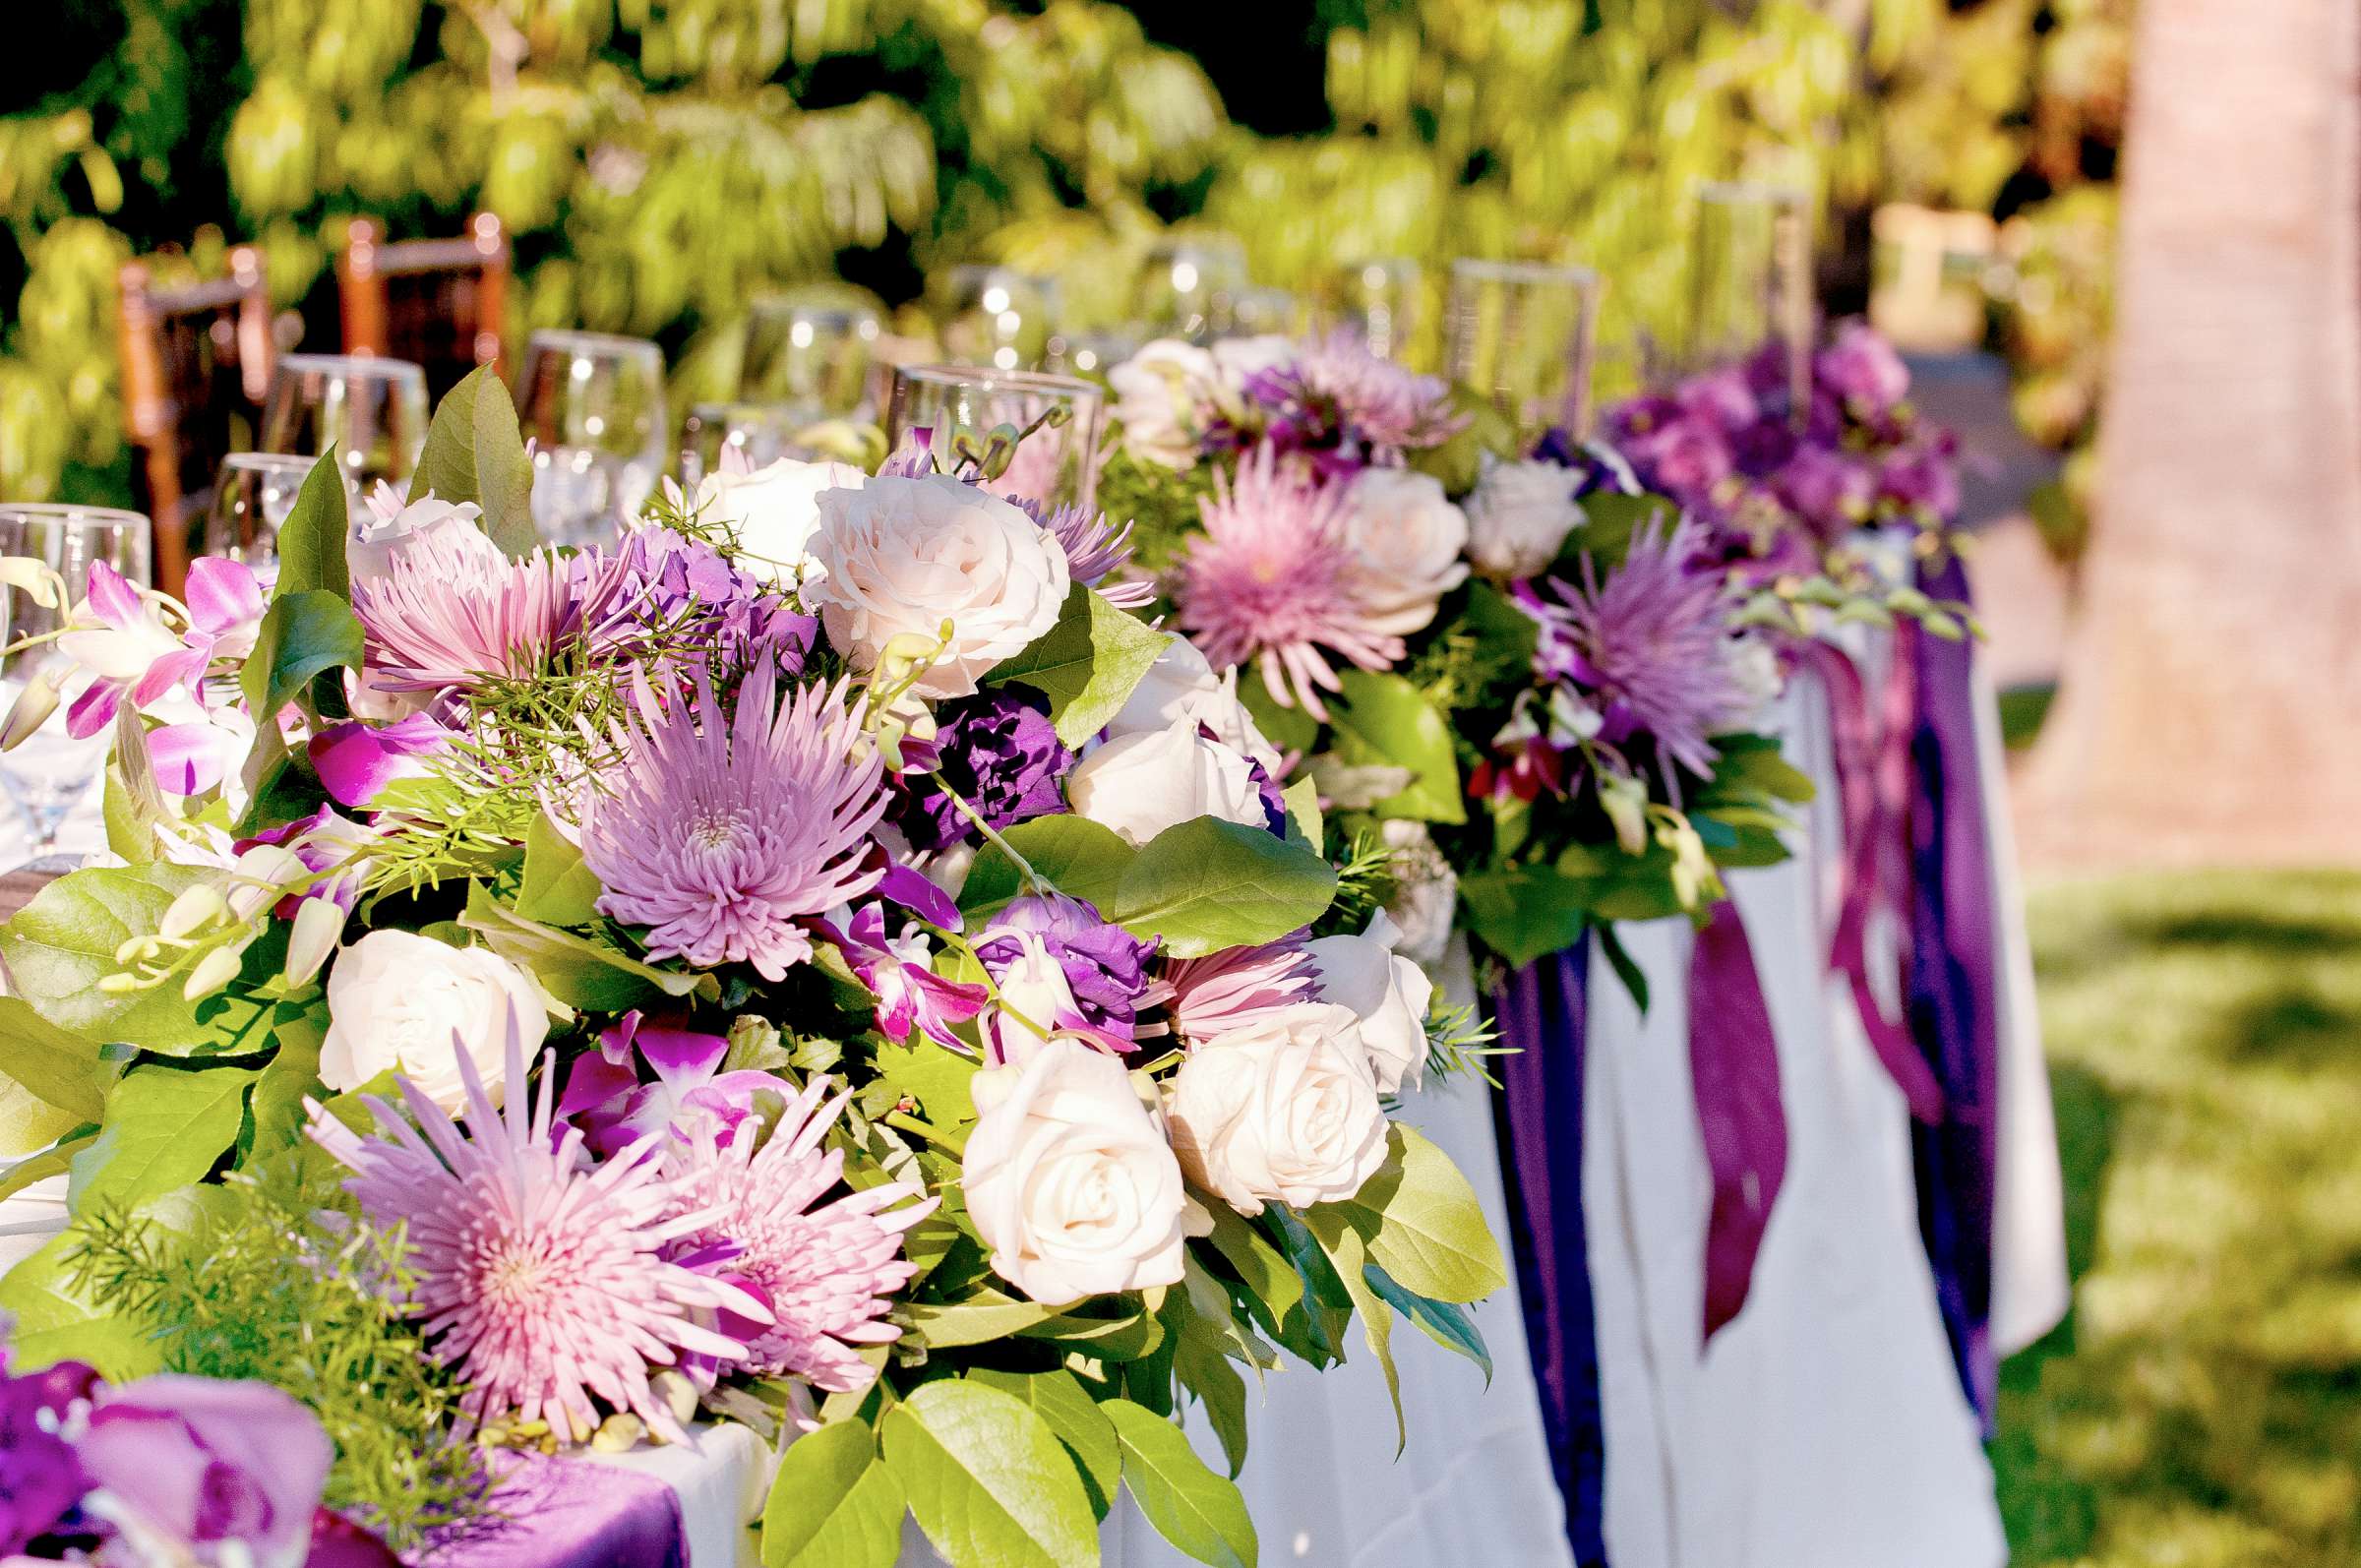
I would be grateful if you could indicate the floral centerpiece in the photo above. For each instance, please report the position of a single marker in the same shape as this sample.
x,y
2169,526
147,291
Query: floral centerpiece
x,y
823,962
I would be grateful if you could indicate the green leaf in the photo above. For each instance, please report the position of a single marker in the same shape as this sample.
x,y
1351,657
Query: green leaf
x,y
1751,765
164,1129
301,636
1504,630
938,1077
1423,1225
1290,729
559,886
1267,1274
1302,801
989,1481
52,1161
60,1068
577,971
311,541
56,1319
61,945
1349,1253
1058,1398
1444,1322
1384,721
1197,1511
276,1108
128,833
977,1319
1626,968
476,451
834,1504
1079,857
1126,1335
1220,1390
1206,884
1523,912
1086,664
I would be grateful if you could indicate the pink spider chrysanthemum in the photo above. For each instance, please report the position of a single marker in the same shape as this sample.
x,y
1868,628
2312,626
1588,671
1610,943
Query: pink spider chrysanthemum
x,y
1239,985
1273,579
452,609
828,1273
541,1278
726,835
1391,407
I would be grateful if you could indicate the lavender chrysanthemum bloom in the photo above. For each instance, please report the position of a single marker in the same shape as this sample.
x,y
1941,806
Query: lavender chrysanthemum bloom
x,y
541,1278
826,1271
1105,966
1095,550
726,835
1002,753
699,597
1273,579
1650,643
1390,407
453,610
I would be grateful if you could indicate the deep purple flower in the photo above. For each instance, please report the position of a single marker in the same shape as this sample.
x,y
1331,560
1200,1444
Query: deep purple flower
x,y
910,995
1002,753
1826,489
1923,477
40,1479
1105,966
700,598
1721,398
1862,368
605,1097
1764,447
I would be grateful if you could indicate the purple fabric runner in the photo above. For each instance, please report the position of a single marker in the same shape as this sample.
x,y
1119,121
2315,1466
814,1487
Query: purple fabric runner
x,y
1953,995
1541,1011
571,1513
1734,1065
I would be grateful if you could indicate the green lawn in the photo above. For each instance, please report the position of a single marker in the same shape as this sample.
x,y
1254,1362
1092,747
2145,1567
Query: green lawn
x,y
2201,1408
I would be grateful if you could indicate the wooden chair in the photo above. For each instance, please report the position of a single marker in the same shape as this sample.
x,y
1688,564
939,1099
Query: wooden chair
x,y
436,303
195,368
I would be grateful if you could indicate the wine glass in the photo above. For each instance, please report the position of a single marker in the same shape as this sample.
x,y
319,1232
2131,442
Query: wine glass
x,y
813,346
1378,302
1524,334
1264,312
256,492
1750,283
996,316
48,773
593,405
1055,464
760,432
1189,288
373,408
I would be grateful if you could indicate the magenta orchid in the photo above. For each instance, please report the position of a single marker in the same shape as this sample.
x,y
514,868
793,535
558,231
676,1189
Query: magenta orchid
x,y
356,761
605,1097
910,995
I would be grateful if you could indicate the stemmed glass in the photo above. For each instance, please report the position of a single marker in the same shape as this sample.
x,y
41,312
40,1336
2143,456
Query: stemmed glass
x,y
996,316
812,347
1189,288
374,409
256,492
1524,334
1378,302
593,407
50,772
1750,283
1055,464
761,433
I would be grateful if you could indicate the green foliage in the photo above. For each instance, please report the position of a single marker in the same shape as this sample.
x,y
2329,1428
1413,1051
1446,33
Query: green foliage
x,y
1200,1513
63,942
836,1503
259,1289
1087,664
987,1479
1383,720
311,540
476,451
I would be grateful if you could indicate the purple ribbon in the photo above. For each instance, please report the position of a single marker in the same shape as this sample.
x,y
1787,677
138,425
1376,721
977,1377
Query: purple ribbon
x,y
1953,990
571,1513
1540,1011
1734,1065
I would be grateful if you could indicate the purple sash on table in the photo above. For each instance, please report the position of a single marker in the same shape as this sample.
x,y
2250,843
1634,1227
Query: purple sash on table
x,y
571,1512
1733,1077
1953,990
1541,1011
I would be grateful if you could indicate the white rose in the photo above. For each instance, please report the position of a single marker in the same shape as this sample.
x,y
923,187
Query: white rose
x,y
1519,517
1143,784
1408,538
1754,665
1426,891
1181,686
1159,392
900,558
1282,1109
773,511
396,999
1386,992
1070,1180
381,533
1035,1000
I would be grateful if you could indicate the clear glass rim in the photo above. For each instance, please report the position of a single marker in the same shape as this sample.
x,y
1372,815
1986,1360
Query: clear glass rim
x,y
269,461
1762,193
358,367
820,299
1230,247
72,511
1485,270
984,377
574,341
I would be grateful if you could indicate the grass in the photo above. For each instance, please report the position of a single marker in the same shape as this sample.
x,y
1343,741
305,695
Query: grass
x,y
2201,1407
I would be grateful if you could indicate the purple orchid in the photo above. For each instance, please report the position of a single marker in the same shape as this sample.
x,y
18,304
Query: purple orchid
x,y
40,1477
910,995
355,762
1105,967
693,592
1001,754
121,637
605,1097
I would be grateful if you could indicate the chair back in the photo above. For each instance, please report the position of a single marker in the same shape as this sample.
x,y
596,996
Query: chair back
x,y
196,367
437,303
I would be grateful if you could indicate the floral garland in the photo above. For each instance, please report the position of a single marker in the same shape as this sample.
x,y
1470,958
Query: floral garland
x,y
824,963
